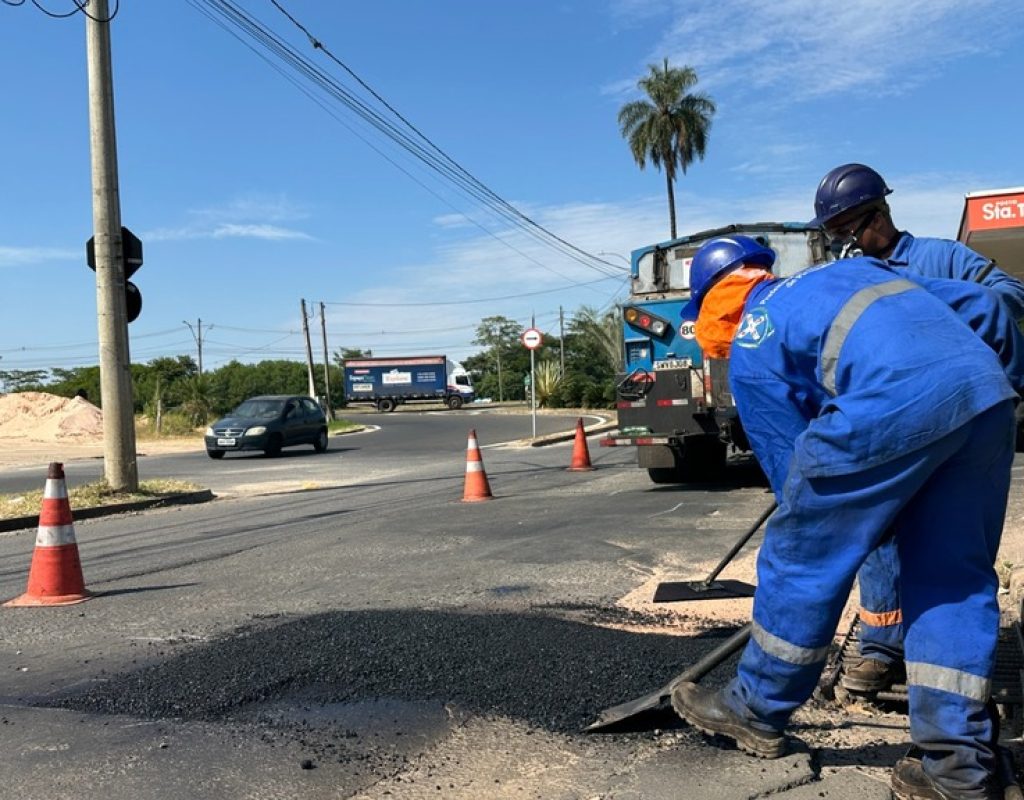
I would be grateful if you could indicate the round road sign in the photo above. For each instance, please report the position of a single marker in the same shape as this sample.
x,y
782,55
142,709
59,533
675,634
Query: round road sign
x,y
532,338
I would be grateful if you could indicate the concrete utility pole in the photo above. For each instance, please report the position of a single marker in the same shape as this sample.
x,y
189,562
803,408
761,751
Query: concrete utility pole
x,y
309,350
327,363
119,458
198,336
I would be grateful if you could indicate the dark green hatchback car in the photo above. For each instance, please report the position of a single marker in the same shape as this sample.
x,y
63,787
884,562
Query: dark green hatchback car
x,y
268,423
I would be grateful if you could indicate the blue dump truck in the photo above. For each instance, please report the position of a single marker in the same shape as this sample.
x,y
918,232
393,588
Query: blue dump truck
x,y
388,382
674,405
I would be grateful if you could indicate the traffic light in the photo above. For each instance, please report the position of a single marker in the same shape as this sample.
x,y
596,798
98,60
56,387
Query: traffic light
x,y
131,253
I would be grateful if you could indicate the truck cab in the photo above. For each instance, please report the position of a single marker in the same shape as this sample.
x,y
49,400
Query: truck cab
x,y
674,405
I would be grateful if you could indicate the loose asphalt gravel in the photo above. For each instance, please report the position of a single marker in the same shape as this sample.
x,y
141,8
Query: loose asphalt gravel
x,y
550,672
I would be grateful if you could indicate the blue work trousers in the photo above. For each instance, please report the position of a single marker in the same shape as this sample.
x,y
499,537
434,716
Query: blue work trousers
x,y
881,618
945,504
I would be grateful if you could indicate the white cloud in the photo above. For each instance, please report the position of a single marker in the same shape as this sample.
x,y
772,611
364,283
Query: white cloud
x,y
24,256
811,48
274,232
245,217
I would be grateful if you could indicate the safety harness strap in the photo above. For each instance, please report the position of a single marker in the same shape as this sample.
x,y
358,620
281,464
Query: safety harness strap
x,y
846,319
787,651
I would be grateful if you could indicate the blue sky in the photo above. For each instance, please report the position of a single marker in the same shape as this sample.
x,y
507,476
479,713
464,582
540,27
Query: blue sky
x,y
249,196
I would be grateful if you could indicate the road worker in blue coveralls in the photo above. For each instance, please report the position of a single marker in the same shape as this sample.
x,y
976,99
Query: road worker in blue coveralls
x,y
851,208
873,405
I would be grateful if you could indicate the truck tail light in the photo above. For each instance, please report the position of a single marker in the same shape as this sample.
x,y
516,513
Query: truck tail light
x,y
646,321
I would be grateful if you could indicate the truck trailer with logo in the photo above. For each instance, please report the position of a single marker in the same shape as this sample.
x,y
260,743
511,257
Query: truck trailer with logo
x,y
389,382
674,405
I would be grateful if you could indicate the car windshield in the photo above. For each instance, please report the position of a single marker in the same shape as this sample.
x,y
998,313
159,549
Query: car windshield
x,y
259,409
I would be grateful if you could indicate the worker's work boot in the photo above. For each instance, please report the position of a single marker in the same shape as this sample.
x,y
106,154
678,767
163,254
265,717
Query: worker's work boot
x,y
867,675
911,782
705,710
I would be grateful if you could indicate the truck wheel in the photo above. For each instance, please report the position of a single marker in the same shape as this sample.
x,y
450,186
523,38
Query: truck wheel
x,y
320,443
455,402
385,405
666,475
703,459
273,447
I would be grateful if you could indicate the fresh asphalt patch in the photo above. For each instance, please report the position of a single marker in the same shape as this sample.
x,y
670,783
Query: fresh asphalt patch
x,y
322,678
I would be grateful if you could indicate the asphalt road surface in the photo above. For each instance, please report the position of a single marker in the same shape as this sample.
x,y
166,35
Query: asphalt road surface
x,y
379,638
400,438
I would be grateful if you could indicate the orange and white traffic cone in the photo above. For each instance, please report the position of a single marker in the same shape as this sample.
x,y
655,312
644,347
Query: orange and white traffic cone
x,y
55,577
580,453
477,488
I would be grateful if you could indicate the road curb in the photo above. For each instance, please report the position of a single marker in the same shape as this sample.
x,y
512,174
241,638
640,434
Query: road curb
x,y
185,498
555,438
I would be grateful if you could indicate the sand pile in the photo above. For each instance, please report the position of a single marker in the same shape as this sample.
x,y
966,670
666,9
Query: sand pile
x,y
42,417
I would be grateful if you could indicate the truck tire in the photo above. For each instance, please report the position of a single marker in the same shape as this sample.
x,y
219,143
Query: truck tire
x,y
666,475
386,404
703,459
455,402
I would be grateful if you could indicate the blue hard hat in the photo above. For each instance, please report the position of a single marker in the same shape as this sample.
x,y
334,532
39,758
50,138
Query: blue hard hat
x,y
846,187
718,257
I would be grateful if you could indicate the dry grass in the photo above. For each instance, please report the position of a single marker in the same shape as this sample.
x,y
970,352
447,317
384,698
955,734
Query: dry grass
x,y
92,494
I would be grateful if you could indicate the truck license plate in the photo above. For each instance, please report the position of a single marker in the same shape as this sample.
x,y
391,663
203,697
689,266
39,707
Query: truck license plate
x,y
225,443
673,363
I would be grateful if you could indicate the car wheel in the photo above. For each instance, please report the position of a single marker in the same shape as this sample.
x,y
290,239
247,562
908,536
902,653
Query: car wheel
x,y
273,447
385,405
215,454
320,443
455,402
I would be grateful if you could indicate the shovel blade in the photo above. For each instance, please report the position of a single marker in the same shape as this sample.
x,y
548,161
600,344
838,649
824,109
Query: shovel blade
x,y
685,591
610,717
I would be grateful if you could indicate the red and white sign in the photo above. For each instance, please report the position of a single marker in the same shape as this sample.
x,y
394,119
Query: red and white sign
x,y
688,329
532,338
993,212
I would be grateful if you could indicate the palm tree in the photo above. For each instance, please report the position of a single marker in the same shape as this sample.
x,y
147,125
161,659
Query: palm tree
x,y
671,128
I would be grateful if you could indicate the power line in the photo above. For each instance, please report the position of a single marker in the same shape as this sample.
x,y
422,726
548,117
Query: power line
x,y
463,302
432,157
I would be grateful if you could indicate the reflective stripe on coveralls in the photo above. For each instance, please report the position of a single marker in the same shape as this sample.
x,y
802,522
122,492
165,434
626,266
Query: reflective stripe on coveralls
x,y
845,320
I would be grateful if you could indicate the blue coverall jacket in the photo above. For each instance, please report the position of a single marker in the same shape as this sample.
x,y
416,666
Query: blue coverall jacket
x,y
873,406
881,634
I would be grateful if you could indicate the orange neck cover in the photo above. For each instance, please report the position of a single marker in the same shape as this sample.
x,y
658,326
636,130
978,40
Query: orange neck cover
x,y
722,309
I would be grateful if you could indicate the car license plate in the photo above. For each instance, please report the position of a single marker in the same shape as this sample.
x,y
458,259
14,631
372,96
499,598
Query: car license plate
x,y
673,363
225,443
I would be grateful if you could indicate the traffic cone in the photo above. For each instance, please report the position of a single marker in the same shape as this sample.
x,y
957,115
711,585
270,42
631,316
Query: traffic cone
x,y
477,488
55,577
580,453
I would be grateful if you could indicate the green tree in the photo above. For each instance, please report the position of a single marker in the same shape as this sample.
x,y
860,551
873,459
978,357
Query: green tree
x,y
500,335
601,335
671,127
22,380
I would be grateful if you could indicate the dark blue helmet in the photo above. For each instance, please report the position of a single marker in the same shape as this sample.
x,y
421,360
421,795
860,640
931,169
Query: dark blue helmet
x,y
846,187
718,257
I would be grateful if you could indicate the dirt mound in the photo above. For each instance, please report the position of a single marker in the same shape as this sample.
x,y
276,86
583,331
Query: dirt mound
x,y
42,417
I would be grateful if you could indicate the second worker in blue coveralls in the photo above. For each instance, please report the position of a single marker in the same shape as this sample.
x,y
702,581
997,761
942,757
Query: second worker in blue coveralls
x,y
873,405
850,206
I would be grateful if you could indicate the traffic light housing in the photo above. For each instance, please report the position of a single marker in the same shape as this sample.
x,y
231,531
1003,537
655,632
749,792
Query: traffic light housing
x,y
131,254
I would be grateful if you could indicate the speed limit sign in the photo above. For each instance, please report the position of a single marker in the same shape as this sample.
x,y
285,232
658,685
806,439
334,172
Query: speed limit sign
x,y
532,338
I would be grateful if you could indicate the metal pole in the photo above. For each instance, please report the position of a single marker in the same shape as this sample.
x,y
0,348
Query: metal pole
x,y
309,350
327,363
199,340
533,393
119,458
